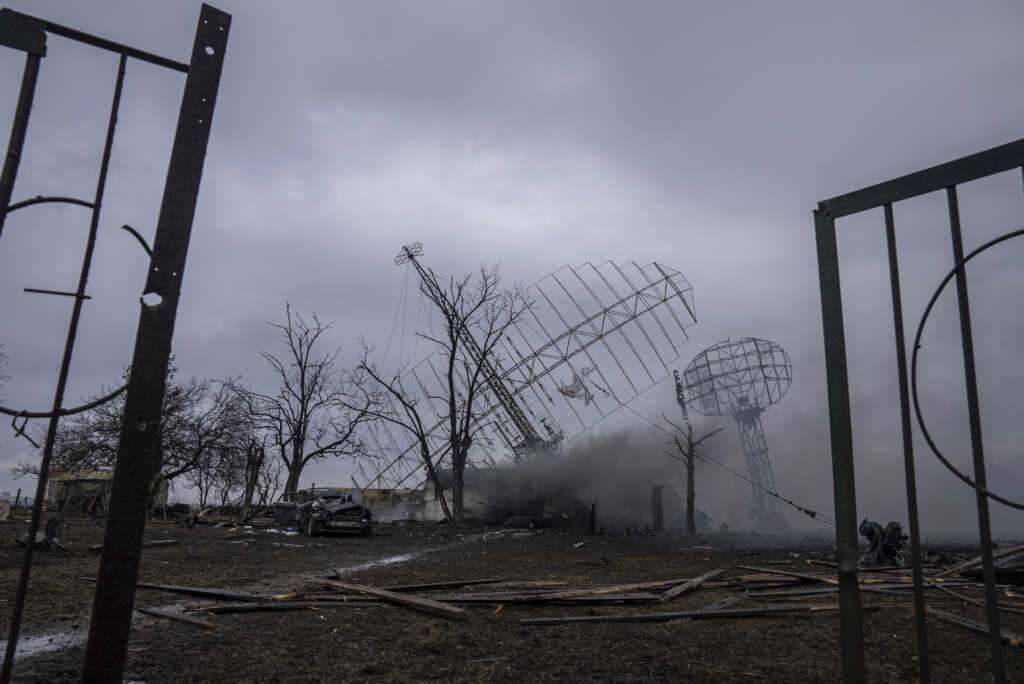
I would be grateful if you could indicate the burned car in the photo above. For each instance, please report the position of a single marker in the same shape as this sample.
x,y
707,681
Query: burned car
x,y
324,509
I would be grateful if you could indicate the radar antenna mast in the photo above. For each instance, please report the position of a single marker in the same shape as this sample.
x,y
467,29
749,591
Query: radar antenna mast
x,y
531,440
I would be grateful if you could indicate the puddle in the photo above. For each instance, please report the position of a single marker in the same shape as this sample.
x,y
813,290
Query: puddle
x,y
390,560
46,643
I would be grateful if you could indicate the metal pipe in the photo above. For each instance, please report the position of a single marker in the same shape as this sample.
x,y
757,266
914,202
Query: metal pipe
x,y
101,43
908,449
851,633
58,399
977,446
18,129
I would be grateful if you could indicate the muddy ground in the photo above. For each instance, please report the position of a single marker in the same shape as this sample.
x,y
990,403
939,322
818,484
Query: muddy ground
x,y
385,643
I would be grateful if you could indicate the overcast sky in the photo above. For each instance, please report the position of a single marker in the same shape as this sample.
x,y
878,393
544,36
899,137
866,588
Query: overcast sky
x,y
539,134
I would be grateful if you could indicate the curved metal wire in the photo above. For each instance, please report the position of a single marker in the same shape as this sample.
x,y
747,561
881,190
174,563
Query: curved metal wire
x,y
913,371
39,199
64,412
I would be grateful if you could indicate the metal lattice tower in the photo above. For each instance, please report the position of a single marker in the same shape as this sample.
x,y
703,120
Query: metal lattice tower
x,y
741,379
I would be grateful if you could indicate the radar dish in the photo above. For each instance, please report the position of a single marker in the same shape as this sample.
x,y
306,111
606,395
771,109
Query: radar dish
x,y
727,376
741,379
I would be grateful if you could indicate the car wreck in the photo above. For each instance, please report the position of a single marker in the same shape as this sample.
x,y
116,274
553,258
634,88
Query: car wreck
x,y
320,510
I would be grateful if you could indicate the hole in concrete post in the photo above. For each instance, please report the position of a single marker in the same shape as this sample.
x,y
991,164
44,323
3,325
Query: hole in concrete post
x,y
152,299
209,50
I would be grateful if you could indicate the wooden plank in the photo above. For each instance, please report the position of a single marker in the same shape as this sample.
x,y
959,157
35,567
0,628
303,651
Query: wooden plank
x,y
611,589
1007,637
187,619
454,584
767,611
423,605
285,606
973,602
96,548
966,565
689,585
196,591
787,573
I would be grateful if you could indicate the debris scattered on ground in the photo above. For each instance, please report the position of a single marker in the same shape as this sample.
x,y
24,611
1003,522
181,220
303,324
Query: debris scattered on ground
x,y
96,548
886,543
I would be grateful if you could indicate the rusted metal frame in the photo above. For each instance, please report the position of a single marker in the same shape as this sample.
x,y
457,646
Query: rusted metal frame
x,y
662,297
625,338
138,458
62,293
584,348
921,618
601,332
96,41
977,445
43,200
597,335
18,129
667,279
62,378
682,297
643,331
940,177
851,633
564,358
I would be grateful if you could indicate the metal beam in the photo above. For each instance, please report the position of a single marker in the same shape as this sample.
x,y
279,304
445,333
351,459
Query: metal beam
x,y
95,41
851,634
138,457
995,160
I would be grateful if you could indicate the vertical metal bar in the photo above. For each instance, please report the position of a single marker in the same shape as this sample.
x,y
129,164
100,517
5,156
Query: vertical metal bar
x,y
18,129
138,457
908,449
58,399
977,447
851,634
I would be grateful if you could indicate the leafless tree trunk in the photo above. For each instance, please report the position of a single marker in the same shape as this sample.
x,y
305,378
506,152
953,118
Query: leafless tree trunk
x,y
687,453
476,313
308,418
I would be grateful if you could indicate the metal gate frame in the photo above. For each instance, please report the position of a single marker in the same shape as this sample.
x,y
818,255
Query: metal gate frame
x,y
138,456
942,177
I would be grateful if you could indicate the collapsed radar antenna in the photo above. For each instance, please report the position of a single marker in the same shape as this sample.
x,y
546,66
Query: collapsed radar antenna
x,y
741,379
595,337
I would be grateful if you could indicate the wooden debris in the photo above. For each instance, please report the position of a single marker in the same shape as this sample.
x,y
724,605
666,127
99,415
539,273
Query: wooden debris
x,y
788,573
96,548
415,602
767,611
196,591
454,584
205,624
689,586
973,602
1007,637
966,565
610,589
285,606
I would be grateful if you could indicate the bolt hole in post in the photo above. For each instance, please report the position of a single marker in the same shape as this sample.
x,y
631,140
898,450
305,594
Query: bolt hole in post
x,y
209,50
151,299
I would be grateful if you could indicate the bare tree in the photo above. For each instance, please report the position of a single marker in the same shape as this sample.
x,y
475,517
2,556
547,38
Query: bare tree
x,y
200,418
476,315
311,417
687,453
